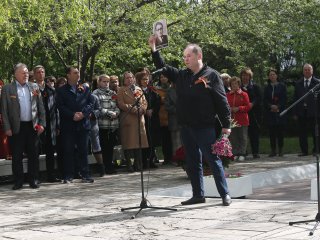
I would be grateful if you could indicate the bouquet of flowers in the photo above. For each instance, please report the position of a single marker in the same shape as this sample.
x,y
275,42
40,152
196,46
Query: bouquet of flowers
x,y
222,147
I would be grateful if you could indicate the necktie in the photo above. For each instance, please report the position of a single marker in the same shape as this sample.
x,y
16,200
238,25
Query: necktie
x,y
306,83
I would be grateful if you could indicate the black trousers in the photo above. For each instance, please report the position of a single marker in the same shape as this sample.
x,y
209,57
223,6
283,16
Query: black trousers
x,y
27,141
166,144
276,136
306,127
254,134
108,139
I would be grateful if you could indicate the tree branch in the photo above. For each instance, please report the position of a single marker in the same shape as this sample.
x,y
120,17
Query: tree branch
x,y
57,52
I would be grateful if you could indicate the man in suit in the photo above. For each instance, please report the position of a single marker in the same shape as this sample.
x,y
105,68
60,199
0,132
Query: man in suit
x,y
49,137
75,104
305,110
23,121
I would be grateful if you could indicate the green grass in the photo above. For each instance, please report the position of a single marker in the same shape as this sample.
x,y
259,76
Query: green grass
x,y
291,145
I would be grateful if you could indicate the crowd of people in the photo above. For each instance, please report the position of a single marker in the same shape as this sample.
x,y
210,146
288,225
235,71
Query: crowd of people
x,y
62,116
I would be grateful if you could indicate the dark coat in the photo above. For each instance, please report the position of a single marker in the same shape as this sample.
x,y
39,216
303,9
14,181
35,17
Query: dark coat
x,y
69,103
153,123
275,95
254,92
308,103
50,106
199,96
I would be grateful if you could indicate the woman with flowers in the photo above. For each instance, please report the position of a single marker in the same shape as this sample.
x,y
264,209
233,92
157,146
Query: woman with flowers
x,y
240,106
274,100
132,115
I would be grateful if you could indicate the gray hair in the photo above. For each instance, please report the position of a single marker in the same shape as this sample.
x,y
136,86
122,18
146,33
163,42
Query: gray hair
x,y
18,66
225,75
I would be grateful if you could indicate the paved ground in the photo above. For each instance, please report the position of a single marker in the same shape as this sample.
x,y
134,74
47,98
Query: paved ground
x,y
93,211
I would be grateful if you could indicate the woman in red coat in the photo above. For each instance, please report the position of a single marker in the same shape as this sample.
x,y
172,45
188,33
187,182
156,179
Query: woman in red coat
x,y
240,106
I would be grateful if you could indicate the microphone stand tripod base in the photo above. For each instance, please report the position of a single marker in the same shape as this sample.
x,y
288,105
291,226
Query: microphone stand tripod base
x,y
144,205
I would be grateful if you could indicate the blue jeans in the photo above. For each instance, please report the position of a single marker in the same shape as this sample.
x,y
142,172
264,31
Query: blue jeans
x,y
197,142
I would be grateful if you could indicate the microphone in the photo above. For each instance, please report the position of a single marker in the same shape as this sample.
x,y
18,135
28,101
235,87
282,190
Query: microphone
x,y
132,87
159,71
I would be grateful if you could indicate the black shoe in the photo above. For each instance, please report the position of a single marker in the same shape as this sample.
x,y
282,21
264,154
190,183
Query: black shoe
x,y
68,180
111,171
130,169
194,200
226,201
78,176
17,186
87,180
302,154
152,165
53,180
101,170
256,156
272,154
33,184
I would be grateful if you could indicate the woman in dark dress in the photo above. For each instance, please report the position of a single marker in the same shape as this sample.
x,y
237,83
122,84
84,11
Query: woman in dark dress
x,y
274,100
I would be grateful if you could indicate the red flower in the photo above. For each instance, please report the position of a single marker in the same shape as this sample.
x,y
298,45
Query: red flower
x,y
37,127
35,92
114,97
179,155
45,94
137,93
80,88
275,99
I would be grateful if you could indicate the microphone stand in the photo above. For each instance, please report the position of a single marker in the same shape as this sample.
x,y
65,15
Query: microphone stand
x,y
315,92
144,201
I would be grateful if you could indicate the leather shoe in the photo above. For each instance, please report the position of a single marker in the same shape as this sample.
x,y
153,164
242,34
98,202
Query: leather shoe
x,y
33,185
87,180
302,154
194,200
67,181
226,201
256,156
17,186
111,171
53,180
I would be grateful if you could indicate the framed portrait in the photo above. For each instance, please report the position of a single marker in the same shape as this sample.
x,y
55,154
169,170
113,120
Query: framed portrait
x,y
161,31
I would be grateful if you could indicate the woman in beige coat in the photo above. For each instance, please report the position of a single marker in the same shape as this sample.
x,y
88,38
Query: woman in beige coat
x,y
127,97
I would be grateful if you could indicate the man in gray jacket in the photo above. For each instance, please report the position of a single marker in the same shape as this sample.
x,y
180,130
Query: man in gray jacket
x,y
23,120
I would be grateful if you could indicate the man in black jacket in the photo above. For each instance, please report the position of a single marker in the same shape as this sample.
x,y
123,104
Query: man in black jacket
x,y
200,97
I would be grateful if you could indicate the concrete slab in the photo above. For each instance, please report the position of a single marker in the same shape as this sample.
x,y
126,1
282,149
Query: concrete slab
x,y
93,211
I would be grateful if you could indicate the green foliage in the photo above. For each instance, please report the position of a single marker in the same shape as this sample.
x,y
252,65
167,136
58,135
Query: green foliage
x,y
111,36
